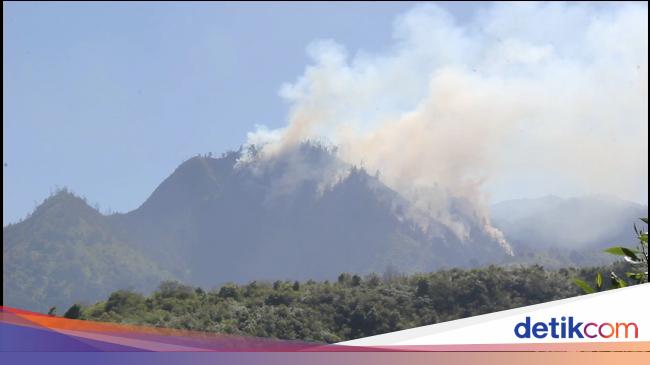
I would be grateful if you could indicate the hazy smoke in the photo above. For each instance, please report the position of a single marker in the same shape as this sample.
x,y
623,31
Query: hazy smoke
x,y
518,89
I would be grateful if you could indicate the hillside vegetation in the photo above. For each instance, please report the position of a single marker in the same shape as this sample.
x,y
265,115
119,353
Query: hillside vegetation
x,y
351,307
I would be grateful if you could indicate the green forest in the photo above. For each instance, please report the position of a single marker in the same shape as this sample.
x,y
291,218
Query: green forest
x,y
350,307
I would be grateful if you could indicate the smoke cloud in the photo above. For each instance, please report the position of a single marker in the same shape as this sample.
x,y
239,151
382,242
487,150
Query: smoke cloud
x,y
451,106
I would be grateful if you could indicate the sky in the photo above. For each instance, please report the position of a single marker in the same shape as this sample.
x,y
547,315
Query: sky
x,y
108,99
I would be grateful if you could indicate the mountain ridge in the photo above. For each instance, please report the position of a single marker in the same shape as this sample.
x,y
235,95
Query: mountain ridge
x,y
303,215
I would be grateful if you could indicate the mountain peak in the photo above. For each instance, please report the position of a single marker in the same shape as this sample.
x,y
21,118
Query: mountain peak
x,y
64,204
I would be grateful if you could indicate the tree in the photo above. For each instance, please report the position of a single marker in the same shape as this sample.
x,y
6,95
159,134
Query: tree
x,y
74,312
344,278
373,280
637,258
423,287
356,280
125,302
175,289
229,291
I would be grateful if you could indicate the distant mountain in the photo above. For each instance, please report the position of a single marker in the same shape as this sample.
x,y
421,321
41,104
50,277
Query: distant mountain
x,y
573,231
301,215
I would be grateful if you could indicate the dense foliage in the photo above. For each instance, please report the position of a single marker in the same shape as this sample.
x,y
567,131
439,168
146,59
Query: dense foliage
x,y
351,307
65,252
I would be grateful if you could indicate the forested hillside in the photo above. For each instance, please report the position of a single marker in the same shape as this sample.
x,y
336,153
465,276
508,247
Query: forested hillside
x,y
65,251
351,307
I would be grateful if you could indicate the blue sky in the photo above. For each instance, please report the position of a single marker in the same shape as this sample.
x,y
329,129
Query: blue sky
x,y
108,98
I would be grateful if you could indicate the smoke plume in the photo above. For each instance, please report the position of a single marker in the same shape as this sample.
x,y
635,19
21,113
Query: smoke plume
x,y
451,106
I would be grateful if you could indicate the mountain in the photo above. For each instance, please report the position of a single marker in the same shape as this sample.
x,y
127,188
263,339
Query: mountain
x,y
66,251
303,214
216,220
558,231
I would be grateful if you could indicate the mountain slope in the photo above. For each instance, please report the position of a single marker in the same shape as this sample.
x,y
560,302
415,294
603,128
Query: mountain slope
x,y
303,214
65,252
283,219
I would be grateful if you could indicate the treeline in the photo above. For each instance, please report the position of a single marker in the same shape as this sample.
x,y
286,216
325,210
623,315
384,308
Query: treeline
x,y
351,307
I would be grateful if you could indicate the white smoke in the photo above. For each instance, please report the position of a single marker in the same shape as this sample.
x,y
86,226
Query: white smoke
x,y
450,106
